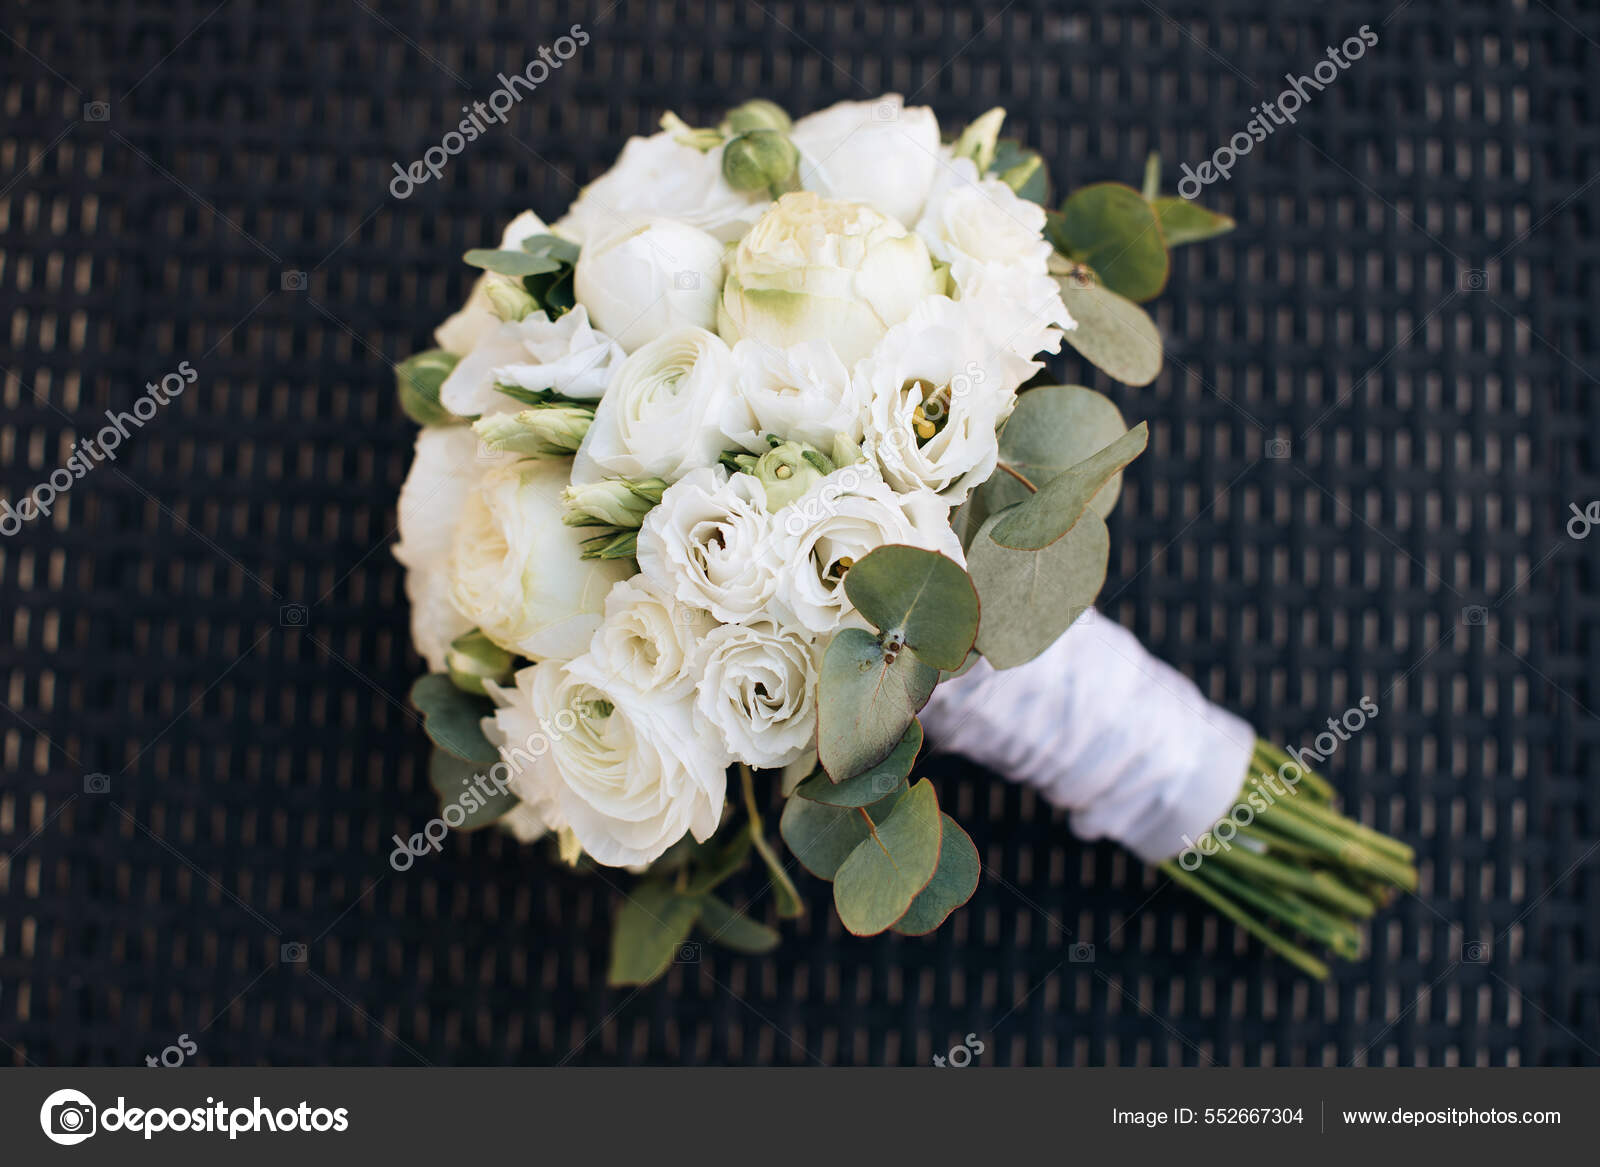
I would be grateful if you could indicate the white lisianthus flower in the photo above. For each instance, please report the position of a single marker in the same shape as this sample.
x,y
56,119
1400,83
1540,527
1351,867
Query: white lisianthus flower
x,y
876,152
801,393
517,570
650,278
444,472
1024,307
461,333
982,219
848,515
938,387
533,353
816,269
660,176
758,690
666,411
650,640
624,771
711,543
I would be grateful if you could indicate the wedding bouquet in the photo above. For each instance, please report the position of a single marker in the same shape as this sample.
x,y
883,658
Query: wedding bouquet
x,y
742,465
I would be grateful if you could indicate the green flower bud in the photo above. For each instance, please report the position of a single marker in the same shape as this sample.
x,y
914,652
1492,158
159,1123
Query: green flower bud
x,y
510,302
846,451
977,141
686,135
757,114
546,431
417,379
758,160
474,659
614,502
789,471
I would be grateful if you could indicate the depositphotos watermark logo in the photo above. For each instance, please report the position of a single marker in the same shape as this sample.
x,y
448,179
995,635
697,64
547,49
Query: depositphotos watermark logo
x,y
70,1116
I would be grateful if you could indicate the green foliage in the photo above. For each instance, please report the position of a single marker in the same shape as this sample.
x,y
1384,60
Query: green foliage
x,y
821,837
877,882
417,379
452,779
1032,597
866,699
722,924
510,263
1113,333
953,882
1185,222
1022,170
450,718
872,785
1053,428
917,598
1111,228
1046,516
649,933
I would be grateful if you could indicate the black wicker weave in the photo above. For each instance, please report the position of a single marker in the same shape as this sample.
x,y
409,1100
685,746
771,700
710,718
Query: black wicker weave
x,y
1378,408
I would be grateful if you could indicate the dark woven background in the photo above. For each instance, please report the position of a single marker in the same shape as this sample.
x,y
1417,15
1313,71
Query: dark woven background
x,y
1361,463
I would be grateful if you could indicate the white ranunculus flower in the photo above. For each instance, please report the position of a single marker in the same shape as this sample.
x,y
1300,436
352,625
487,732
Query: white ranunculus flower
x,y
666,412
444,472
660,176
648,278
712,544
816,269
648,639
1023,306
982,219
849,514
938,386
534,353
758,690
802,393
461,333
517,570
625,771
876,152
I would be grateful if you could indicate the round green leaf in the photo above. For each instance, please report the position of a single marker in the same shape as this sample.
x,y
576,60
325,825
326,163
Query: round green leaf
x,y
1031,597
1043,517
1111,228
1053,428
919,596
872,785
511,263
876,884
1113,334
866,699
953,883
451,718
456,781
821,837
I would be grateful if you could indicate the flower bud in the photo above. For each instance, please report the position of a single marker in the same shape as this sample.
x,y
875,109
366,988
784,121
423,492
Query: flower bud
x,y
758,160
474,659
611,502
548,431
757,114
977,141
510,302
789,470
846,451
703,140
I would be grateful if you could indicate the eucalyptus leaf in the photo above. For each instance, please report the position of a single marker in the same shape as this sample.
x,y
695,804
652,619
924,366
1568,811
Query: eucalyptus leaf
x,y
417,380
1031,597
1052,428
919,597
1113,334
953,883
866,699
511,263
874,785
559,249
1044,517
878,881
649,933
821,837
450,718
1185,222
724,925
1113,229
456,781
1021,169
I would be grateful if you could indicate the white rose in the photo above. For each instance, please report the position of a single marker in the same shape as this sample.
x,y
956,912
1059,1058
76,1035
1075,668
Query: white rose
x,y
624,771
758,690
648,639
649,278
517,570
938,386
822,270
875,152
461,333
802,393
533,353
849,514
660,176
982,219
444,472
666,411
711,543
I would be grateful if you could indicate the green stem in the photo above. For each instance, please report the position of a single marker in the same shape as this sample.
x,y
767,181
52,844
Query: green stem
x,y
1339,935
790,905
1219,900
1314,883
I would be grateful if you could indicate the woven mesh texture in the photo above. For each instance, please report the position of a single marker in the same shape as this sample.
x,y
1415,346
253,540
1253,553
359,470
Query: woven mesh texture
x,y
1377,410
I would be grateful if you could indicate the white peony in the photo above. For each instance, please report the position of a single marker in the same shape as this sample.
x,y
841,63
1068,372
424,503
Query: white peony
x,y
461,333
982,219
815,269
624,771
649,278
876,152
660,176
849,514
938,386
711,543
533,353
648,639
666,410
801,393
444,472
758,690
517,570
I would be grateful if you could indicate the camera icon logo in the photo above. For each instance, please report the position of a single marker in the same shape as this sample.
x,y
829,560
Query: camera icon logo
x,y
1475,952
1474,280
1081,953
97,111
686,281
688,953
97,784
294,281
1474,614
68,1117
886,111
1277,448
292,953
293,615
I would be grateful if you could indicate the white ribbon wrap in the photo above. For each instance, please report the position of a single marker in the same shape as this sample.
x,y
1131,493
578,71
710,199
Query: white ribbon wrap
x,y
1125,742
